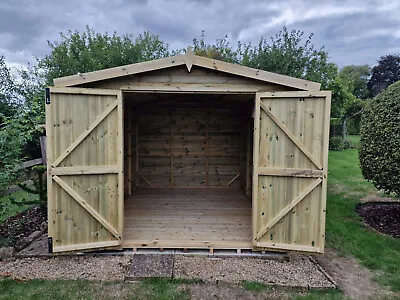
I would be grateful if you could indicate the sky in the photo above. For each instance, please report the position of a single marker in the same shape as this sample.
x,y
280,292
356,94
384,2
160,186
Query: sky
x,y
353,31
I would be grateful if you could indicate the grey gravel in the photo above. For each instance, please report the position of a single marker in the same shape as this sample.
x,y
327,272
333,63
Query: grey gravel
x,y
299,271
105,268
6,252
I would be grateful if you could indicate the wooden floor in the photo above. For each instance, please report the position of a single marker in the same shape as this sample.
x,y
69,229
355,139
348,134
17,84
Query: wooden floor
x,y
209,218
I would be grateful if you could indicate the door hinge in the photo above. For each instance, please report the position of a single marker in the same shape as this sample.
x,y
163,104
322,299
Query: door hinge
x,y
50,244
47,95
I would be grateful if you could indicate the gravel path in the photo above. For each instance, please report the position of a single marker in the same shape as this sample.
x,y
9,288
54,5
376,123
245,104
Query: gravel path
x,y
299,271
105,268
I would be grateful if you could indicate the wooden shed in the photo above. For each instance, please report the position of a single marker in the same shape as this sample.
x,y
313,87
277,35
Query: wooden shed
x,y
186,152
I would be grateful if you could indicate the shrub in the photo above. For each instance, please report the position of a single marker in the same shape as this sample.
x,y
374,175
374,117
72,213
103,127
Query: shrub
x,y
347,144
353,125
380,140
336,143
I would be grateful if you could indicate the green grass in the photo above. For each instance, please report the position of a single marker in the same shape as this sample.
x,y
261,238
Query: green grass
x,y
327,294
41,289
295,293
354,139
255,286
157,289
345,231
8,209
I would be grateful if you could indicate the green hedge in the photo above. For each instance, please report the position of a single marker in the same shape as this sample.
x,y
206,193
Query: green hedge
x,y
380,140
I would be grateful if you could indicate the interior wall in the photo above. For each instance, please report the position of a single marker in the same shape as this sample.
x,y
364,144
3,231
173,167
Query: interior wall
x,y
187,140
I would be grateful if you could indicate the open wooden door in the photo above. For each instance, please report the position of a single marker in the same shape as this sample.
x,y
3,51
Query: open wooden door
x,y
85,168
291,133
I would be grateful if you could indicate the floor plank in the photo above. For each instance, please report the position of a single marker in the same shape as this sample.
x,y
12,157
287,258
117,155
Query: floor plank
x,y
188,217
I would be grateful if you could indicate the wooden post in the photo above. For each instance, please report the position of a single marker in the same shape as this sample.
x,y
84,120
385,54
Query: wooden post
x,y
129,119
248,157
241,155
206,146
171,148
43,149
137,152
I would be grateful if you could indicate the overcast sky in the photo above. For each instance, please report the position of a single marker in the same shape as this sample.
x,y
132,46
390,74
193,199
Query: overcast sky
x,y
353,31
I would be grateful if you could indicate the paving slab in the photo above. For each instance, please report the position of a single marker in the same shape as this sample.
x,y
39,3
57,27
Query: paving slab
x,y
151,266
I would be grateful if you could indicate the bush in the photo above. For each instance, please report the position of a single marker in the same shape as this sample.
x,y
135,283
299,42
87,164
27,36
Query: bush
x,y
336,143
347,144
335,128
353,125
380,140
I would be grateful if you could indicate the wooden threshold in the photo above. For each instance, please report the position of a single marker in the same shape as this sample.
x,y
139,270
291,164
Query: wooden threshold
x,y
187,244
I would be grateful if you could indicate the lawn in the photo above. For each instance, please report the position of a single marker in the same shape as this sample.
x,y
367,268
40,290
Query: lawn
x,y
345,233
162,289
8,207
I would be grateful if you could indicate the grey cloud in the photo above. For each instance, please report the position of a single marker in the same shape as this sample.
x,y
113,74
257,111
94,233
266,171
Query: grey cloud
x,y
354,31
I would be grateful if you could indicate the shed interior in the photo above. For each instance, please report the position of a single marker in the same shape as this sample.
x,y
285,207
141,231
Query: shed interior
x,y
187,170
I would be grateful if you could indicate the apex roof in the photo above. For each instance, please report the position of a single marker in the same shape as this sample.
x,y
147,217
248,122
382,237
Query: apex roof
x,y
190,60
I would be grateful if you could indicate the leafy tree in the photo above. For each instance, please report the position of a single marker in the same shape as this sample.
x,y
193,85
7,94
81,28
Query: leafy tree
x,y
89,51
289,54
384,74
341,97
39,187
380,140
20,130
221,50
356,79
8,101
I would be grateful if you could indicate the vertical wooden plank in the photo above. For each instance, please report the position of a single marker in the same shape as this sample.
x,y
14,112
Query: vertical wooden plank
x,y
256,150
241,151
137,152
129,146
49,160
120,163
77,215
55,148
325,151
93,180
171,147
249,133
43,149
65,140
206,145
132,122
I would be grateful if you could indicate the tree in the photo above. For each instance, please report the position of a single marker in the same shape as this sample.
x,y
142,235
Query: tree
x,y
19,130
380,140
89,51
8,100
289,54
221,50
356,78
384,74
